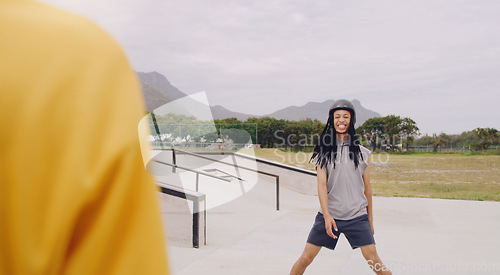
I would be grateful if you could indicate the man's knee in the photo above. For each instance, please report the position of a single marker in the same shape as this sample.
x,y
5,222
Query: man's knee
x,y
306,259
370,253
371,258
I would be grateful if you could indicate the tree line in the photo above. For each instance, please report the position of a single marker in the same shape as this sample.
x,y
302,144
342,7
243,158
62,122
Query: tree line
x,y
379,133
479,139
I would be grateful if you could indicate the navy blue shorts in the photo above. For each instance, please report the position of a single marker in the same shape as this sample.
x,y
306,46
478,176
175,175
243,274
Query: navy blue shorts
x,y
357,231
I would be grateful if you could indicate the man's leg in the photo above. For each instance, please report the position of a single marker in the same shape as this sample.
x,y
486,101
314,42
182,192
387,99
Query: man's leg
x,y
310,251
371,256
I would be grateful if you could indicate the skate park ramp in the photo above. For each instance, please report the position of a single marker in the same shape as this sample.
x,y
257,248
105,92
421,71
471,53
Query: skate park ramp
x,y
248,235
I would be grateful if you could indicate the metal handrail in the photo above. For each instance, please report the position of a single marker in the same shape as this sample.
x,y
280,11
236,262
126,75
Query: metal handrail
x,y
277,164
257,159
199,155
192,170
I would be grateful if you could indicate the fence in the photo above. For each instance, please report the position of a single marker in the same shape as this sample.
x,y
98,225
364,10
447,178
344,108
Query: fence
x,y
464,149
201,145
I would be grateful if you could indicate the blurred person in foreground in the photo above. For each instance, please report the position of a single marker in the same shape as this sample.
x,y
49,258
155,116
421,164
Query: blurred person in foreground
x,y
74,195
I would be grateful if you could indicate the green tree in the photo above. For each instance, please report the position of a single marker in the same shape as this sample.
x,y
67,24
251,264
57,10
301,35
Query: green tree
x,y
438,141
388,130
423,141
409,130
392,129
177,125
371,130
463,140
235,129
266,127
487,137
231,120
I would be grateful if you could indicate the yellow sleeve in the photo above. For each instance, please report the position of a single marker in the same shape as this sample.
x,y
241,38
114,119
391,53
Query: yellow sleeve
x,y
74,195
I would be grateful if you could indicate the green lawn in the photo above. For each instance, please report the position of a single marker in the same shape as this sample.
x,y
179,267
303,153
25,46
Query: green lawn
x,y
453,176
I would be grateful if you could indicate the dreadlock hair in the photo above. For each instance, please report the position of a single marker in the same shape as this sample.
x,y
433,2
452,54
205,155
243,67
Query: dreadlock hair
x,y
325,150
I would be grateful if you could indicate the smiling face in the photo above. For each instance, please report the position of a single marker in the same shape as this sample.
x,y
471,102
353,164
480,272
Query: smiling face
x,y
341,121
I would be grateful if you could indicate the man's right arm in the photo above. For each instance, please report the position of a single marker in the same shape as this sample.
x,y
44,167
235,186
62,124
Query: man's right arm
x,y
323,201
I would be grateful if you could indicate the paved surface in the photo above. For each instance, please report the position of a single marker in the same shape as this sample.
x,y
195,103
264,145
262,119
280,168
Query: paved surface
x,y
414,236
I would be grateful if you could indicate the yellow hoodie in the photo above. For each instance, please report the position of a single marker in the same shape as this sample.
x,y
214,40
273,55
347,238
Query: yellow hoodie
x,y
74,195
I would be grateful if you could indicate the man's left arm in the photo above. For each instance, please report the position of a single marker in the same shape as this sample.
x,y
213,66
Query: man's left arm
x,y
368,195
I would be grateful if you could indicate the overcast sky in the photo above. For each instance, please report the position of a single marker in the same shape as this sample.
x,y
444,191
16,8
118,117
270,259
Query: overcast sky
x,y
436,61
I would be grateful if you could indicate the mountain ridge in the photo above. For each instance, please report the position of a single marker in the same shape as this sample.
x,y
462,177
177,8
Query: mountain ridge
x,y
158,91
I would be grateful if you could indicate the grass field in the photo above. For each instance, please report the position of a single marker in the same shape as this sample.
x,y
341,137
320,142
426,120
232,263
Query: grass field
x,y
444,176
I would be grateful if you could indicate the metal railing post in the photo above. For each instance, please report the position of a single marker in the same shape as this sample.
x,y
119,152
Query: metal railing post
x,y
277,193
205,221
196,224
174,161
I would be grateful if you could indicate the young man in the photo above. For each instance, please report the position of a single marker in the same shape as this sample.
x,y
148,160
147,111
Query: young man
x,y
344,191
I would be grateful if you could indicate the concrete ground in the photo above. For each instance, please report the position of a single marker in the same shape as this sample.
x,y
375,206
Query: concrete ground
x,y
413,235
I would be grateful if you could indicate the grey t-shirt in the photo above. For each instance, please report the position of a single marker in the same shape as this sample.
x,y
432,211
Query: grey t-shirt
x,y
345,185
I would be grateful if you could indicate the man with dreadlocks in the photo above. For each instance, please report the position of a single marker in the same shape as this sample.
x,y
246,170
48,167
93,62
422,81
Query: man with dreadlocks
x,y
344,191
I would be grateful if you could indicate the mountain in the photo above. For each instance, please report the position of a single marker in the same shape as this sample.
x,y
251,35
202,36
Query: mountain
x,y
313,110
319,111
153,98
219,112
158,91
